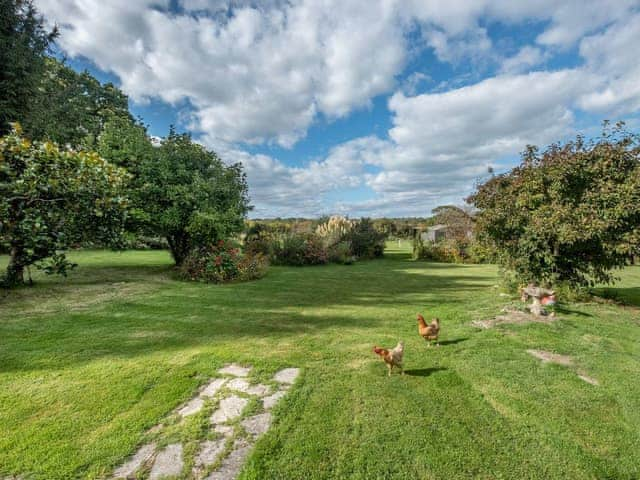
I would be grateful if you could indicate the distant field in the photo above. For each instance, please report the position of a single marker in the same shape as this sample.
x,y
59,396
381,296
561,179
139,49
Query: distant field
x,y
89,363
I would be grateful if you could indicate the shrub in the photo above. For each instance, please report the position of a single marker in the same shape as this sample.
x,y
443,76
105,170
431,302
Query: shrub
x,y
341,253
448,251
365,240
334,230
300,249
222,262
568,214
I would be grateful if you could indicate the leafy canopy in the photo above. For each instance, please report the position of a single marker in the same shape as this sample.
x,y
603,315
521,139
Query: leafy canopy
x,y
189,196
24,42
73,108
52,198
569,214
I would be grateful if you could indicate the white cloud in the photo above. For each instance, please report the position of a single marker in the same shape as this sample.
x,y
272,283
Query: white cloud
x,y
526,58
612,55
259,72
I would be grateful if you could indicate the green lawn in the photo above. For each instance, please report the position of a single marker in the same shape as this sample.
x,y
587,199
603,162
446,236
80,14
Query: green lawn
x,y
89,363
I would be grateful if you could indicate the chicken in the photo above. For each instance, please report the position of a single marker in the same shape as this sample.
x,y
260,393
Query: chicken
x,y
429,332
393,358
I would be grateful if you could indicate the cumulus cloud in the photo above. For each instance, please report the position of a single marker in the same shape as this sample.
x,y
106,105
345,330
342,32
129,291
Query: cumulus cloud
x,y
264,72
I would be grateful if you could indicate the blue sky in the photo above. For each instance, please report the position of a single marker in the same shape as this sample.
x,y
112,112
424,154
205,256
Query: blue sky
x,y
362,107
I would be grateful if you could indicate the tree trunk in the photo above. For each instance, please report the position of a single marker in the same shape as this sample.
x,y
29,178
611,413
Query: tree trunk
x,y
15,269
179,245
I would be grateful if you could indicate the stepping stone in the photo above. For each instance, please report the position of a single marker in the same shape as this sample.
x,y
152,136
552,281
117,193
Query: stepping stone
x,y
213,387
232,465
225,430
258,424
238,384
235,370
260,390
271,400
230,408
142,456
194,406
168,462
287,375
241,385
209,452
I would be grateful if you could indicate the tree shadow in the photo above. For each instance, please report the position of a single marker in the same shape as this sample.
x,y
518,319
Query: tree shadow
x,y
423,372
568,311
453,341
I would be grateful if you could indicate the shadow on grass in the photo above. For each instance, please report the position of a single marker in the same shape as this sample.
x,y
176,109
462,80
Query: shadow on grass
x,y
453,341
423,372
172,315
568,311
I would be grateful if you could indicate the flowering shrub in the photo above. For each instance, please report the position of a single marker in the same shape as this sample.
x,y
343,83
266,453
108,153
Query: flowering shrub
x,y
222,262
300,249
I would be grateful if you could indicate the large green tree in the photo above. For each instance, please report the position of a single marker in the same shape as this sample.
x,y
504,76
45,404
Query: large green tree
x,y
73,108
51,198
24,42
189,196
568,214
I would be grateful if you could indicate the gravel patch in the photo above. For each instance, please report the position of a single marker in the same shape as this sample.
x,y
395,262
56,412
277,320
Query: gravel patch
x,y
549,357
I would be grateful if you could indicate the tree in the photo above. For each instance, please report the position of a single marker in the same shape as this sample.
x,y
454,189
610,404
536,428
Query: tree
x,y
125,143
24,42
569,214
189,196
459,221
51,198
73,108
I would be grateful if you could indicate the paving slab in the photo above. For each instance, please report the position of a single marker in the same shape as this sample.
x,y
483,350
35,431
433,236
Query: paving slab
x,y
287,375
229,409
258,424
241,385
193,406
208,454
143,455
271,400
213,387
235,370
168,462
225,430
232,465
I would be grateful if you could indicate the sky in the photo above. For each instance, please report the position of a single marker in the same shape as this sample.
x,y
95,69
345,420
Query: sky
x,y
363,107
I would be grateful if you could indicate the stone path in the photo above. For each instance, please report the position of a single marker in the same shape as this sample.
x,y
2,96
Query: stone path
x,y
232,432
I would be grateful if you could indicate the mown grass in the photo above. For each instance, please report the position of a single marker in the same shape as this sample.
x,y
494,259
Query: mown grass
x,y
89,363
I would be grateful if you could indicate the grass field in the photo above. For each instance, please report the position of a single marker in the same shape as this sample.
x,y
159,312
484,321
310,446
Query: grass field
x,y
89,363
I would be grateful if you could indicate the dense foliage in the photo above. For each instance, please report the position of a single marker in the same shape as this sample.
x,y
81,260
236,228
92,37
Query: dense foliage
x,y
51,198
24,42
187,195
569,214
300,249
222,262
72,108
330,239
